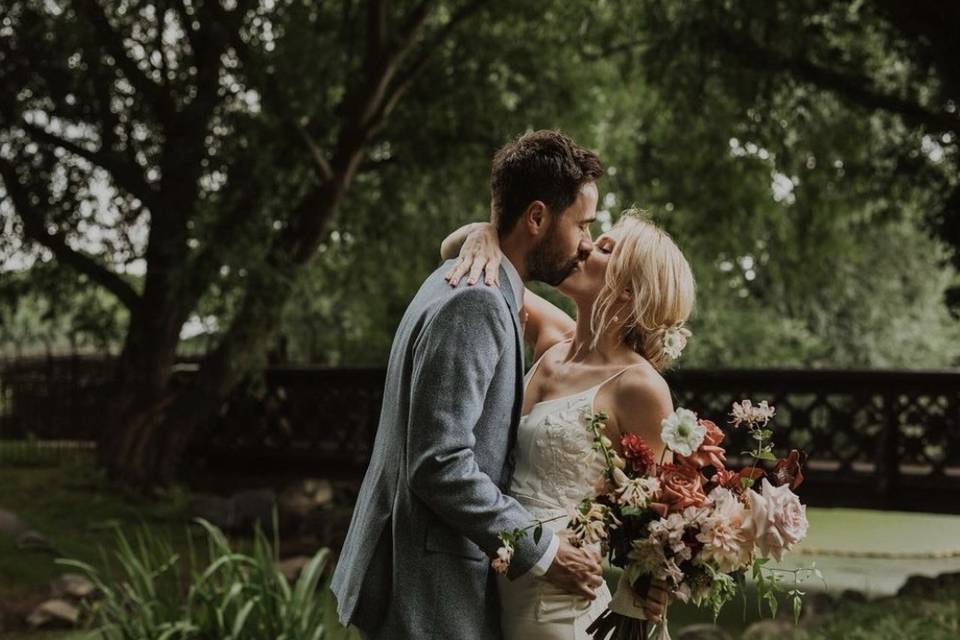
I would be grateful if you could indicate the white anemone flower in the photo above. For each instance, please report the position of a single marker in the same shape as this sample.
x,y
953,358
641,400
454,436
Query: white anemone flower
x,y
682,432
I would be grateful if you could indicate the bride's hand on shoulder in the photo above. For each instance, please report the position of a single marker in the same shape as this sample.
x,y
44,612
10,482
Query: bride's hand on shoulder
x,y
480,254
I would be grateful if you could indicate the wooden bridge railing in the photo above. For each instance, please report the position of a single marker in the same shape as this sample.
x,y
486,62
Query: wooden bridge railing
x,y
878,439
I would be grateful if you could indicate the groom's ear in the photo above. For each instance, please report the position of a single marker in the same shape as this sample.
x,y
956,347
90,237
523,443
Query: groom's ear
x,y
535,217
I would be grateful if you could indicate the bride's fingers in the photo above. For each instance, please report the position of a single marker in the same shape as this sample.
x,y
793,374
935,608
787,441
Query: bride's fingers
x,y
653,616
493,271
476,268
454,275
657,594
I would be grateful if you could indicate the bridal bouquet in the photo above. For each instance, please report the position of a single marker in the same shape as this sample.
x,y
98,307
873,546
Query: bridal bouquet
x,y
692,527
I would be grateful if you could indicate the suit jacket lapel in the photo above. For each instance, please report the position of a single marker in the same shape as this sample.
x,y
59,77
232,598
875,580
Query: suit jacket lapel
x,y
511,299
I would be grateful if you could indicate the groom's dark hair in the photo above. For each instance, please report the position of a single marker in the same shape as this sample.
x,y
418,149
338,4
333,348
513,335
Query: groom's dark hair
x,y
543,165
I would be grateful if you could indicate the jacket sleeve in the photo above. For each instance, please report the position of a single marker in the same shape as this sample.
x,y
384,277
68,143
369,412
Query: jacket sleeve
x,y
455,359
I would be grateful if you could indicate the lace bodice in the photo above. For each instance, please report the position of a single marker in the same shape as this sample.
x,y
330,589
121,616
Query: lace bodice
x,y
555,465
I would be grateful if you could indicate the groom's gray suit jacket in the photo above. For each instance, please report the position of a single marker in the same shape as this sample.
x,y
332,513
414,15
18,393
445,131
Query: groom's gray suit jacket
x,y
415,562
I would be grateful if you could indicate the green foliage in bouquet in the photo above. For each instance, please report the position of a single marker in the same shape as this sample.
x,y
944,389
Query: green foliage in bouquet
x,y
150,593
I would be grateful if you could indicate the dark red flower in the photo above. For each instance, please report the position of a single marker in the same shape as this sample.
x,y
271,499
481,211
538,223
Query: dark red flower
x,y
789,470
638,453
732,480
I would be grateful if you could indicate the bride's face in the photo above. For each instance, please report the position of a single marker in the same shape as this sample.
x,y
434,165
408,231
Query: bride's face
x,y
586,280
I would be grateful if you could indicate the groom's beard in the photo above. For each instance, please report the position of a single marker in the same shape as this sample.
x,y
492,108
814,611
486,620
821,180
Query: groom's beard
x,y
547,264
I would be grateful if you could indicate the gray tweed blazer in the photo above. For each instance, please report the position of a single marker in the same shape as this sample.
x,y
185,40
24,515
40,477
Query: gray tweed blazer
x,y
415,563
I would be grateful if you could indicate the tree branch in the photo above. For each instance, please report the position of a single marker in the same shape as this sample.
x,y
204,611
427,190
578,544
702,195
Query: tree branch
x,y
376,28
855,89
113,40
127,176
416,67
35,229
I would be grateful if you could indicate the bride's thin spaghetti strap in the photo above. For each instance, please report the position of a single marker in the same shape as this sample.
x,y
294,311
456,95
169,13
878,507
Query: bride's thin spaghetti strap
x,y
617,375
543,355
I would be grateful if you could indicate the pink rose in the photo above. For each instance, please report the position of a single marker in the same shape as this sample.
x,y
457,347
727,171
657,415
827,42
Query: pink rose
x,y
681,486
777,520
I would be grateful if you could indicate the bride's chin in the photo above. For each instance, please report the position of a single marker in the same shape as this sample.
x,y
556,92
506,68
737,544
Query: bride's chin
x,y
574,289
569,284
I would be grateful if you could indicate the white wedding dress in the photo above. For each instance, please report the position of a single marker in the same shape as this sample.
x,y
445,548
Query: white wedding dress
x,y
555,468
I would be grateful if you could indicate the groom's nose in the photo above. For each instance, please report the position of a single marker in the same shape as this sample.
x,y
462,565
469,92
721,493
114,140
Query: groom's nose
x,y
584,250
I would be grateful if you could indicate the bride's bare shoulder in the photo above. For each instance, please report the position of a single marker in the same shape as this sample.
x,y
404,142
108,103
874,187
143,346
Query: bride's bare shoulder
x,y
642,390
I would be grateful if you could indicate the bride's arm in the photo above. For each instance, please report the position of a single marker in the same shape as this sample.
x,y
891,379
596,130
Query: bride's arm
x,y
641,401
450,246
546,324
479,247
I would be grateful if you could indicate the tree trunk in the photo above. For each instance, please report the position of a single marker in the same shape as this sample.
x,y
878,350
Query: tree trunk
x,y
156,422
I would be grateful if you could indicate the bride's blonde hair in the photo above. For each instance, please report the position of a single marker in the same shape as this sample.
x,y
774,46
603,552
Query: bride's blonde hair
x,y
649,264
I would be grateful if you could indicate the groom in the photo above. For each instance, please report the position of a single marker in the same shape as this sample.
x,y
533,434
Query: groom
x,y
416,561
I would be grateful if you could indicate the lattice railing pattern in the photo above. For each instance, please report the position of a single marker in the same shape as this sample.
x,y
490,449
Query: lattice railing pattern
x,y
887,438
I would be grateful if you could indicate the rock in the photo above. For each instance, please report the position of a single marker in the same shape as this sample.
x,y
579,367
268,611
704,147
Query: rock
x,y
703,632
852,595
770,630
949,580
11,524
291,567
303,497
329,526
54,613
34,541
921,586
320,489
216,510
254,507
72,585
816,606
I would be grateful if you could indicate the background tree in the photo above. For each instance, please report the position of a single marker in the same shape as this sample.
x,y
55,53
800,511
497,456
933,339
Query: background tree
x,y
236,130
284,168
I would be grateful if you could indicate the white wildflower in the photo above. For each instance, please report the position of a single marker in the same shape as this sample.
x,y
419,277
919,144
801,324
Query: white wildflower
x,y
638,492
682,432
745,413
674,341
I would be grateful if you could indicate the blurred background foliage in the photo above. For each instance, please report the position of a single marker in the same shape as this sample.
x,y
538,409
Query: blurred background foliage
x,y
814,220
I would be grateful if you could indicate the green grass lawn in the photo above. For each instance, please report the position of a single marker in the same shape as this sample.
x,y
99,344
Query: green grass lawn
x,y
73,507
80,513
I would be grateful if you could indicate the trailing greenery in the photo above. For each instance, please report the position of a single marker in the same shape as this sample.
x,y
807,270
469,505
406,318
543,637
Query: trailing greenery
x,y
229,595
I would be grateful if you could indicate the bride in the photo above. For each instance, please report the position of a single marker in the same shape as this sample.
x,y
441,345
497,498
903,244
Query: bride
x,y
632,294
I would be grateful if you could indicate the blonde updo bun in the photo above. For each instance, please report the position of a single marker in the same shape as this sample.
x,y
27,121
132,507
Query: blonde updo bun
x,y
649,264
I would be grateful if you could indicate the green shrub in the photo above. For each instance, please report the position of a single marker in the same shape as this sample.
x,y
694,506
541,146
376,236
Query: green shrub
x,y
228,595
936,617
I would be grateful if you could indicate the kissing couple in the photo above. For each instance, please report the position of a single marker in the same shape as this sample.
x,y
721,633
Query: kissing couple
x,y
469,447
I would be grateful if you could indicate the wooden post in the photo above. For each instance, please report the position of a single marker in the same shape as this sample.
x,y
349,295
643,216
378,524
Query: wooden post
x,y
887,455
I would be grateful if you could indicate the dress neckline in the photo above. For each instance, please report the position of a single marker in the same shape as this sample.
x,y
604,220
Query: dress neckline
x,y
568,396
